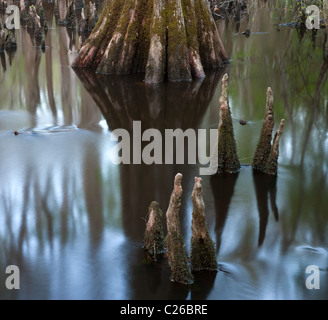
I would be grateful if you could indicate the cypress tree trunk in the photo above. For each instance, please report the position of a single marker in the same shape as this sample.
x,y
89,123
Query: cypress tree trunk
x,y
176,39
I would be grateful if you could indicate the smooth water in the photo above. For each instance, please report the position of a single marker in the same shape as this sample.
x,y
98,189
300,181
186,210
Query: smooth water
x,y
73,221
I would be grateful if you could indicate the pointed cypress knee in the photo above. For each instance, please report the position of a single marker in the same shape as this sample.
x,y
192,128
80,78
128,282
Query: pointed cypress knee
x,y
227,157
263,149
154,235
203,256
272,165
266,154
178,261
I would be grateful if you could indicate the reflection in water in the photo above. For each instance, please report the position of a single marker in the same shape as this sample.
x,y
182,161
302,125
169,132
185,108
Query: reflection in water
x,y
72,220
265,186
174,105
223,187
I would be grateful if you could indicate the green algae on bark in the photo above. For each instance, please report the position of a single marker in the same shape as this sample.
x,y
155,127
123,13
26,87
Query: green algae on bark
x,y
175,246
266,155
156,62
154,235
203,253
164,38
227,157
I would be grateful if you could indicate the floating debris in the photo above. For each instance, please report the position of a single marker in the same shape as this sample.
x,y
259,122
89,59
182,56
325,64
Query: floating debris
x,y
243,122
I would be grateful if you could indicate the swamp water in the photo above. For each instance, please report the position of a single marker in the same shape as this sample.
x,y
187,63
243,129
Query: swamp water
x,y
73,221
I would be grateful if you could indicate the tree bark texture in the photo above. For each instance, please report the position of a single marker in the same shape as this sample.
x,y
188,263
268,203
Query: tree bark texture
x,y
173,39
266,155
154,235
227,156
178,261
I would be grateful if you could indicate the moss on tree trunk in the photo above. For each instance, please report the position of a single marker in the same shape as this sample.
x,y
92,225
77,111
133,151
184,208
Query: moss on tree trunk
x,y
176,39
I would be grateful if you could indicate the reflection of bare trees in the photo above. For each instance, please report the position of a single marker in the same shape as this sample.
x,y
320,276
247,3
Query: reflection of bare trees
x,y
297,72
304,69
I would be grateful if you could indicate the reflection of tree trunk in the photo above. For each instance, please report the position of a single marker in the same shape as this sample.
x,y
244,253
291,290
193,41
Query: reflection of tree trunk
x,y
90,115
49,76
93,195
67,85
3,61
32,59
62,8
171,105
49,10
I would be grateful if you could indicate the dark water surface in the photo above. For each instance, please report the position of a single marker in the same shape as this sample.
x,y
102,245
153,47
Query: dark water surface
x,y
72,220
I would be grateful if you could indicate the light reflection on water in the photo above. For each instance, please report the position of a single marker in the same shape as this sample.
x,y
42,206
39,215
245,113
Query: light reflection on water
x,y
72,221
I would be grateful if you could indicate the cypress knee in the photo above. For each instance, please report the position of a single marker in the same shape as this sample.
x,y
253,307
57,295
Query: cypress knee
x,y
175,246
154,236
266,155
227,157
203,253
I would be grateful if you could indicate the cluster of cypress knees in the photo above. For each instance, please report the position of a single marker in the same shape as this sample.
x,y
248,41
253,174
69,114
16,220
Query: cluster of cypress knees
x,y
203,253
